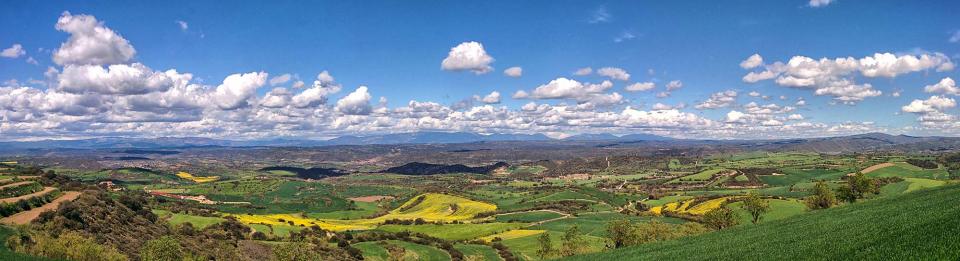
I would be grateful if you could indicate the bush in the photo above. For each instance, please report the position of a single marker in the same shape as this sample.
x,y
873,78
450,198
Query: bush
x,y
68,245
161,249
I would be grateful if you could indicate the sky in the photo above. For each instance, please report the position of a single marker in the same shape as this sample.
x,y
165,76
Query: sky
x,y
685,69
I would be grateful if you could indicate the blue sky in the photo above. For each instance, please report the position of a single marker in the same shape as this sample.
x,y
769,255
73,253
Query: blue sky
x,y
396,48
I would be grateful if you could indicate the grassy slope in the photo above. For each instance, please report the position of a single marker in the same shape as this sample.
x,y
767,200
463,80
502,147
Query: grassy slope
x,y
486,252
779,209
372,251
919,225
421,252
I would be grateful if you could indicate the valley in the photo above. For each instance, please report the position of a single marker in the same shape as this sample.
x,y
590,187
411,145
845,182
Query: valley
x,y
632,202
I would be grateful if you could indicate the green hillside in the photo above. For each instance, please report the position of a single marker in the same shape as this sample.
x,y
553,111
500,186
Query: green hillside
x,y
918,225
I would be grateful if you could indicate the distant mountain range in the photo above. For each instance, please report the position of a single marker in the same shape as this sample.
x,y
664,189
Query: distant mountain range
x,y
396,138
853,143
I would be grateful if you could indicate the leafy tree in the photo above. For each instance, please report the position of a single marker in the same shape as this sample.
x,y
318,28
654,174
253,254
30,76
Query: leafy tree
x,y
546,245
720,218
572,241
822,198
756,206
857,187
651,231
165,248
620,233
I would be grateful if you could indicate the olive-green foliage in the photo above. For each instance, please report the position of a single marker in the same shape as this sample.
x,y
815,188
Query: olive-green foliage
x,y
756,206
622,233
546,246
162,249
296,251
822,198
573,242
721,218
69,245
858,186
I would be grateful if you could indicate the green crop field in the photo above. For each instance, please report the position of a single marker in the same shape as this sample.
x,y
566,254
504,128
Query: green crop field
x,y
594,224
533,216
482,251
793,176
454,231
526,247
421,252
905,170
372,251
919,225
779,209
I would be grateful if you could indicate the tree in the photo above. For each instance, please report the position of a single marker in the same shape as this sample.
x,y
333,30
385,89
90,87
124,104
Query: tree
x,y
756,206
572,241
720,218
857,187
822,198
620,233
162,249
546,245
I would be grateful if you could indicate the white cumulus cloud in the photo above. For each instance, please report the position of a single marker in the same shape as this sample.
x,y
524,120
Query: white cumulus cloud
x,y
514,72
751,62
355,103
468,56
90,42
13,52
945,86
614,73
640,86
237,89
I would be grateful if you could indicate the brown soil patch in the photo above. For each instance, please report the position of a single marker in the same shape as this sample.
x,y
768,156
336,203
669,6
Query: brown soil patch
x,y
28,216
370,198
876,167
35,194
873,168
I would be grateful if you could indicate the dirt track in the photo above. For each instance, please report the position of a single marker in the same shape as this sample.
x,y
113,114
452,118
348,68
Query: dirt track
x,y
370,198
35,194
15,184
27,216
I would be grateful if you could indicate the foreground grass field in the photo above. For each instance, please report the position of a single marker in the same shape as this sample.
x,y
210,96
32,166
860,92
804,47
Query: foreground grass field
x,y
919,225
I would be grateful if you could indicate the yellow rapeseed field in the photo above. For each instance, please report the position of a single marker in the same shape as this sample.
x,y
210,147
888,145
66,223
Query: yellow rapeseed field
x,y
685,208
434,208
185,175
707,206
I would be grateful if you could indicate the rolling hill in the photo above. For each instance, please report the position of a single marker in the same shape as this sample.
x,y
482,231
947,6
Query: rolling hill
x,y
919,225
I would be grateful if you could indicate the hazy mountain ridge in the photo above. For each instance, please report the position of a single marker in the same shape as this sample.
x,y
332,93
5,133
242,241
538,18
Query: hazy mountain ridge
x,y
840,144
